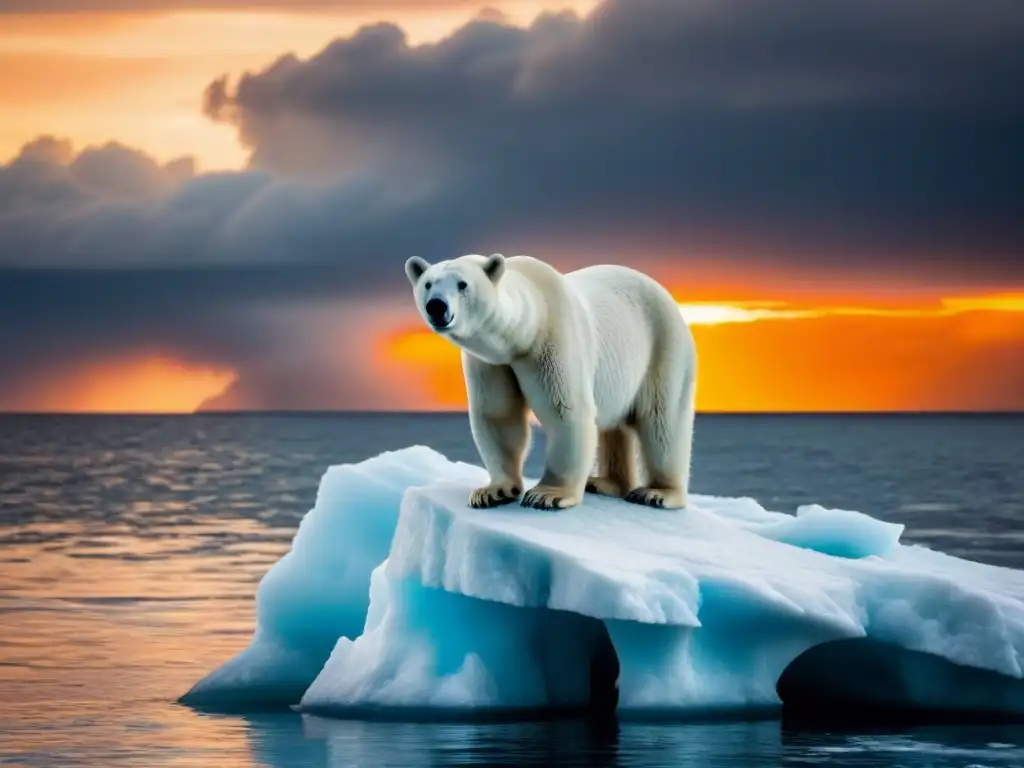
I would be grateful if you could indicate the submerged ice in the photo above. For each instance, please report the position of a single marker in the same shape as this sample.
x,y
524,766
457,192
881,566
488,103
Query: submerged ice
x,y
397,597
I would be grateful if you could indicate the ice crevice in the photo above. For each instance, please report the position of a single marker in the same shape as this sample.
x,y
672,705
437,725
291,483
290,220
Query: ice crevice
x,y
397,599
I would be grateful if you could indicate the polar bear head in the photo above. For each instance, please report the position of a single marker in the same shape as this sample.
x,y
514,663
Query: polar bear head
x,y
455,296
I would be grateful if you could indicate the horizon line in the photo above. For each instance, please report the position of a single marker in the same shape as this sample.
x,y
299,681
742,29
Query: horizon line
x,y
463,412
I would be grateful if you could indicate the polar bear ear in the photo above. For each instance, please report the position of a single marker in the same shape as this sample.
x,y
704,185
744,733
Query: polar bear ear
x,y
494,267
414,268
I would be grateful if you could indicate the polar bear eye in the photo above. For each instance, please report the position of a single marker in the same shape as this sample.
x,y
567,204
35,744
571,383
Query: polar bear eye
x,y
462,285
427,285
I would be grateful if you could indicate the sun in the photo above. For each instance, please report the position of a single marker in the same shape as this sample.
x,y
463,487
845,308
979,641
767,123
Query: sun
x,y
709,313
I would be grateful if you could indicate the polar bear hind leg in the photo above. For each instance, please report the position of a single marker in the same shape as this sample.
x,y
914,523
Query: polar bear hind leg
x,y
664,426
616,463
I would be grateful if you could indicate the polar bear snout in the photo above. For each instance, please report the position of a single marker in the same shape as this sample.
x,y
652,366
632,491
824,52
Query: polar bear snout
x,y
439,312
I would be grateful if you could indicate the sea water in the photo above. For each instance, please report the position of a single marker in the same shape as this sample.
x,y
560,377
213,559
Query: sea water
x,y
130,550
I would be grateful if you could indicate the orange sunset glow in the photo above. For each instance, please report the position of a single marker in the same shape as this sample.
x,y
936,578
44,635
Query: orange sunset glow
x,y
770,356
753,357
152,384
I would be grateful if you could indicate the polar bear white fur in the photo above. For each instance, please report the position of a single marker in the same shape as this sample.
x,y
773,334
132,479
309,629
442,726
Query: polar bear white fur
x,y
603,358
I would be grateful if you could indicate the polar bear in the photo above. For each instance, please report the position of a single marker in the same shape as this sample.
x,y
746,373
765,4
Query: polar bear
x,y
603,358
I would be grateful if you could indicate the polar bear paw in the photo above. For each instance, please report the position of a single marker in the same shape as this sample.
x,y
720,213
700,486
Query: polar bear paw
x,y
494,495
661,498
549,497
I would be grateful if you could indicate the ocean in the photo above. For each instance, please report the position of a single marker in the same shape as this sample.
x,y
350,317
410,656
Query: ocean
x,y
131,547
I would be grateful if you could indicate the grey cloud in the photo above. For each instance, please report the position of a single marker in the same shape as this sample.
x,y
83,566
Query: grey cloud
x,y
878,132
116,207
294,334
642,63
875,126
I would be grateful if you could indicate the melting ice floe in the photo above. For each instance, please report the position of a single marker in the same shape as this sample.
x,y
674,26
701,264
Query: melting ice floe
x,y
396,596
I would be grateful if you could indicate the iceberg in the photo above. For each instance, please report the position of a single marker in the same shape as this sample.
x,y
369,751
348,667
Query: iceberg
x,y
397,599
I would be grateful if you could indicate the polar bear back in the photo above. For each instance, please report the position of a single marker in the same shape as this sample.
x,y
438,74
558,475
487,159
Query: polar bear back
x,y
637,330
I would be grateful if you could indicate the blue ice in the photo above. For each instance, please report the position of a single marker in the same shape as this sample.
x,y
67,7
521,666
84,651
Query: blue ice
x,y
396,597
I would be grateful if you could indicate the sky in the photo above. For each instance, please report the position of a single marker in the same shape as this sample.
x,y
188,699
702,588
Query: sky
x,y
207,204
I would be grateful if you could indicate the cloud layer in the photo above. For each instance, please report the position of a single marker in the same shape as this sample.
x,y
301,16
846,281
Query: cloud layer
x,y
873,125
814,137
883,129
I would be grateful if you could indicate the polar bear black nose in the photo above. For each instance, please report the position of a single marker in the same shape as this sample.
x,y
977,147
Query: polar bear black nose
x,y
437,311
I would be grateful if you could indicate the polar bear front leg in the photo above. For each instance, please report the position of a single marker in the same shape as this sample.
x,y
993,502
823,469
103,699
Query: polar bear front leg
x,y
564,405
570,455
498,419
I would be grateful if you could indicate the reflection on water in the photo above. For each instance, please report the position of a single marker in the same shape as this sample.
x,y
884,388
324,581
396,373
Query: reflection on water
x,y
98,638
130,550
291,740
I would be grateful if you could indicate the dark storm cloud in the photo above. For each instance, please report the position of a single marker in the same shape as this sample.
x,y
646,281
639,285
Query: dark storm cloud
x,y
276,326
172,308
218,269
885,131
888,126
889,130
113,206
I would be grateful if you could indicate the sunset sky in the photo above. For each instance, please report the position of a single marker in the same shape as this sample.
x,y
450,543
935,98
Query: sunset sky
x,y
208,203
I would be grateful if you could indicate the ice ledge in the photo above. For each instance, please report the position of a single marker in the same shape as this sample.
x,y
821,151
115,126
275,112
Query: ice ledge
x,y
611,560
